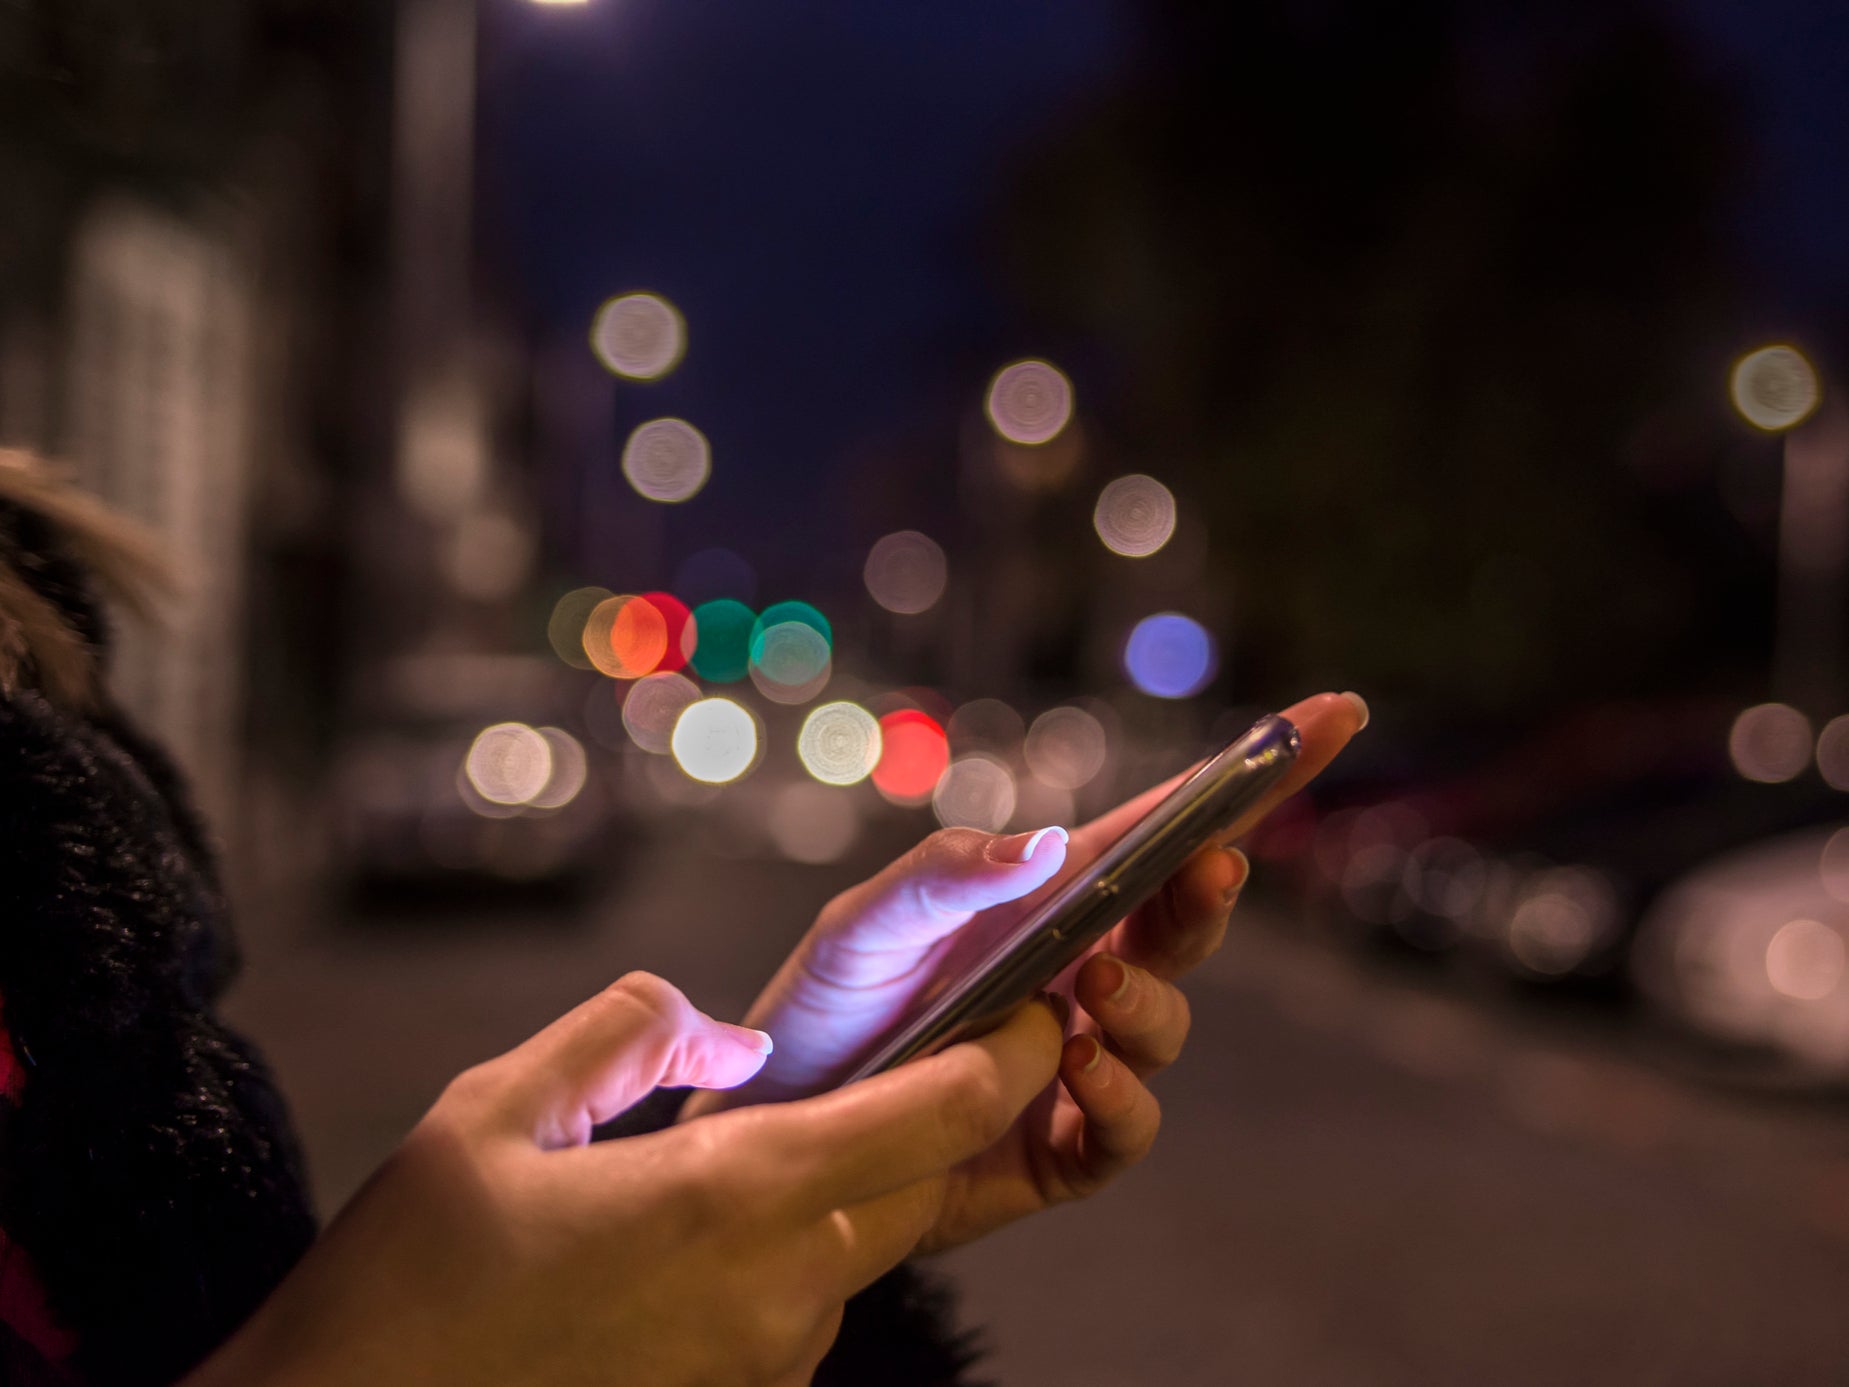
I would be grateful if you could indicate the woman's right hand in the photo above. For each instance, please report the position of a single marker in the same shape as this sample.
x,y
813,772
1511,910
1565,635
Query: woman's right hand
x,y
499,1245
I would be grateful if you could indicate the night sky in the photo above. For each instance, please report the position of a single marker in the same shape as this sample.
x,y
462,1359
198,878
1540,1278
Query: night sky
x,y
808,182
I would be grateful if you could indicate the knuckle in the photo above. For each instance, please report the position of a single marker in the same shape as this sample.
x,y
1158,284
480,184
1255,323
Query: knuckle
x,y
1174,1034
468,1094
650,993
974,1110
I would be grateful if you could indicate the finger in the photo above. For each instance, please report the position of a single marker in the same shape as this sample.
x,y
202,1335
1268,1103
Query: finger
x,y
1324,723
607,1054
1121,1116
914,1122
932,890
1144,1020
875,1235
1184,922
821,1339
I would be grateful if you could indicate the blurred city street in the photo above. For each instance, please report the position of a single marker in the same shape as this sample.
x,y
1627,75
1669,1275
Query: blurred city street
x,y
1363,1177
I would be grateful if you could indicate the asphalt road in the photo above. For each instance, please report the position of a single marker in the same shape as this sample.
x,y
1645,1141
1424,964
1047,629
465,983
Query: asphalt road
x,y
1363,1176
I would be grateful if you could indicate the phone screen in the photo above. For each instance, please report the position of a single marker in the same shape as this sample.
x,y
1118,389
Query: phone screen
x,y
968,996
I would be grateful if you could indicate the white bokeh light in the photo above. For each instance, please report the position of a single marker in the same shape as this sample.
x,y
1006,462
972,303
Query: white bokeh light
x,y
508,763
638,336
1833,753
974,792
1066,747
1135,516
906,572
1774,388
653,705
667,460
570,770
1030,402
1770,742
1805,960
840,743
715,741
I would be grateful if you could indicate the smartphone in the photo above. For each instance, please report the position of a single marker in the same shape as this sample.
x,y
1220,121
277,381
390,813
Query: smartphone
x,y
966,999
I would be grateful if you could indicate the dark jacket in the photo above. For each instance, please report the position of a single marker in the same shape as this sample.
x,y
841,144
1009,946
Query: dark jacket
x,y
149,1177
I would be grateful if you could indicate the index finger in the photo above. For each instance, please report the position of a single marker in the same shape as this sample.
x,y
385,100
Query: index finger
x,y
889,1131
1324,722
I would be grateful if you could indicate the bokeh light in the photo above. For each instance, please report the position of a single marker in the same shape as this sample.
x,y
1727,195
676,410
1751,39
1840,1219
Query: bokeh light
x,y
1565,913
1135,516
1833,753
1805,960
715,740
1030,402
638,336
508,763
683,632
790,662
913,754
1170,655
906,572
1774,388
667,460
1833,865
626,637
710,573
779,612
565,628
1066,747
986,724
653,705
812,823
722,653
840,743
1770,742
974,792
570,770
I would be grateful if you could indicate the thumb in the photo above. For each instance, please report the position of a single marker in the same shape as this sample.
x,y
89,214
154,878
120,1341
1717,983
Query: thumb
x,y
939,884
638,1034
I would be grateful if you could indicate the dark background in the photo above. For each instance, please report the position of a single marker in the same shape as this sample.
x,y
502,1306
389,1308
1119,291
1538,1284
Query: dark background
x,y
1527,1064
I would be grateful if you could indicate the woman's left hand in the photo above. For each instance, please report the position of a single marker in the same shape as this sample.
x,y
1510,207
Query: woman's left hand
x,y
873,948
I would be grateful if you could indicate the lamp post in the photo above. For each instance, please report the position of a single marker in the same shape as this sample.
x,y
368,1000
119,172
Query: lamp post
x,y
1776,390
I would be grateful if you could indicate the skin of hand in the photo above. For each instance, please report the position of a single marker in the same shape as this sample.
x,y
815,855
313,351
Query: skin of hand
x,y
499,1245
876,945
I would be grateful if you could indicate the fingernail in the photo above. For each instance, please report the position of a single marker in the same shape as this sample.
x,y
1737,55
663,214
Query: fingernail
x,y
1360,706
1019,848
1123,981
756,1041
1242,869
1097,1053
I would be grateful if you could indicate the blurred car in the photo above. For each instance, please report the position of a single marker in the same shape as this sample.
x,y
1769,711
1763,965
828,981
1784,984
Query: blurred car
x,y
469,769
1753,947
1541,860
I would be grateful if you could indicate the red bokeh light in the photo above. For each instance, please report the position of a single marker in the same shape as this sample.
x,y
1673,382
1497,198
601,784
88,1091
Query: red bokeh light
x,y
914,752
626,637
683,631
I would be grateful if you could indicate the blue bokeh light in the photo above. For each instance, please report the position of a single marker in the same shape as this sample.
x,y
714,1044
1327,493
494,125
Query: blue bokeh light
x,y
1170,655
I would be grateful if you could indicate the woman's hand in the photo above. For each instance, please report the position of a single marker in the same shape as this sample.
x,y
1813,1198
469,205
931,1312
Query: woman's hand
x,y
873,947
497,1246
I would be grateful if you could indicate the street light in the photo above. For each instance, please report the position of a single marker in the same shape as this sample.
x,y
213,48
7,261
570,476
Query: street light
x,y
1776,390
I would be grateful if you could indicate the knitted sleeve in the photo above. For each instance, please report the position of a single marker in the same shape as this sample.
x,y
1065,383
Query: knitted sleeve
x,y
148,1168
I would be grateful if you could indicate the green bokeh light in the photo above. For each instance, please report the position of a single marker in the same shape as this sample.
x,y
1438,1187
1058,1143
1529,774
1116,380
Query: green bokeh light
x,y
725,628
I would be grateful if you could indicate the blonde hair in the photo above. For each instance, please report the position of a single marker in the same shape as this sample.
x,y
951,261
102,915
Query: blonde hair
x,y
39,646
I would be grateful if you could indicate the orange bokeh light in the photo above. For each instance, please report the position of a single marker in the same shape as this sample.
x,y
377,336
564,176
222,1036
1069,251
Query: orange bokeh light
x,y
914,752
626,637
682,631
